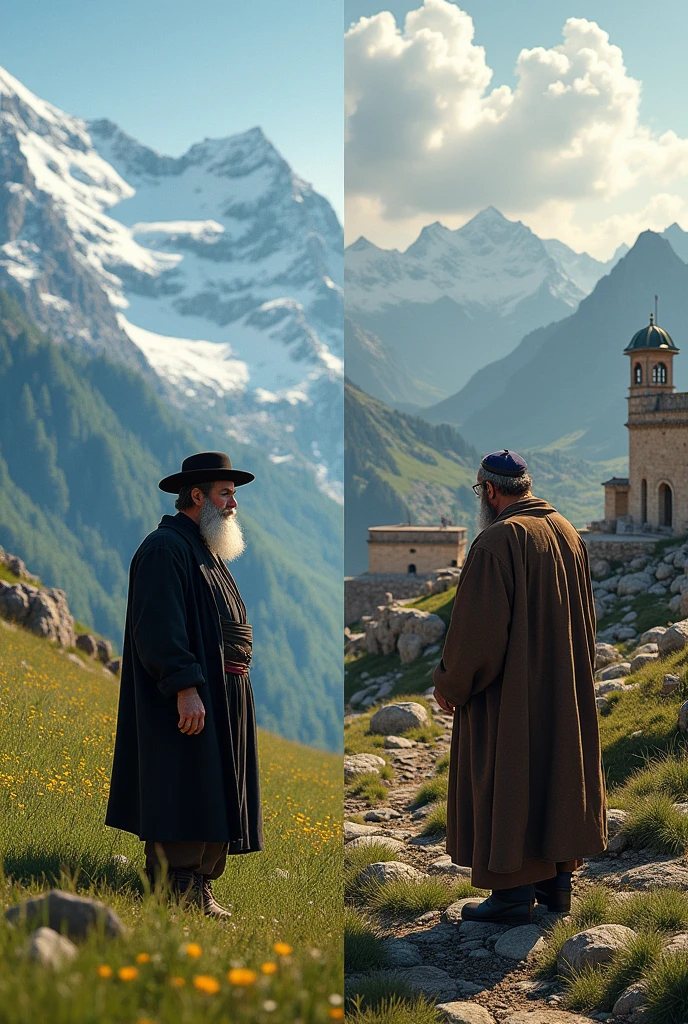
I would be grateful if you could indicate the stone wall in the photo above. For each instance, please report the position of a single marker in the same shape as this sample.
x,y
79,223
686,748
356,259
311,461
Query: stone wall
x,y
363,594
613,549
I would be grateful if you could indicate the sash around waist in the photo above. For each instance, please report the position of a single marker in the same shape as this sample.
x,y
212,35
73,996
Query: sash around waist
x,y
237,641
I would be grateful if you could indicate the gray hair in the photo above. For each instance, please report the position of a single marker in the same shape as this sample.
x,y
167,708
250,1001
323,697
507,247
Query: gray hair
x,y
514,486
184,500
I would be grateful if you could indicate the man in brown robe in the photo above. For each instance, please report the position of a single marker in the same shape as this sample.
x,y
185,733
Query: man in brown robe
x,y
526,795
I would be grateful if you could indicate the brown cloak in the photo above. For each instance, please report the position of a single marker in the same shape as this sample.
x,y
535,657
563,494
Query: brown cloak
x,y
526,788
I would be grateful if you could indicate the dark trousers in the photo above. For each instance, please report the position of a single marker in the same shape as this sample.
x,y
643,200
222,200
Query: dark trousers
x,y
206,858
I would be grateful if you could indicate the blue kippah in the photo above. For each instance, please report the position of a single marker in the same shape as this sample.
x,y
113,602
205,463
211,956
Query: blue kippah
x,y
505,462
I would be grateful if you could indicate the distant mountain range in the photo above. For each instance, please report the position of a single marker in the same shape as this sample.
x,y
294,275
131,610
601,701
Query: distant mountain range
x,y
463,298
566,385
221,270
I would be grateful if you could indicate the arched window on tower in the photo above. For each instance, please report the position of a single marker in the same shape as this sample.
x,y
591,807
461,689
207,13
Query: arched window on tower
x,y
643,501
666,503
659,373
638,374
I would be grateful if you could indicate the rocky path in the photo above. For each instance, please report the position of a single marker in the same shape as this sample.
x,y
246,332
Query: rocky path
x,y
481,973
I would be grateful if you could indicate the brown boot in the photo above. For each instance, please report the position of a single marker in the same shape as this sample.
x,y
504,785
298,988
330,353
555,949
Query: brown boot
x,y
211,908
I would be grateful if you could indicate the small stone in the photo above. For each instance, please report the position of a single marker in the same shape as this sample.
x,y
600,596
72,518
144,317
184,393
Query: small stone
x,y
651,636
382,814
445,866
399,743
353,829
615,820
389,871
545,1015
464,1013
601,703
641,660
104,651
421,812
401,953
433,981
114,666
605,654
392,844
519,943
479,954
473,930
49,948
623,668
75,660
630,999
670,684
362,764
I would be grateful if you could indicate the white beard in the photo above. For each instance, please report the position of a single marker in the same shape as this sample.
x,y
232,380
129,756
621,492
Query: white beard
x,y
221,532
486,514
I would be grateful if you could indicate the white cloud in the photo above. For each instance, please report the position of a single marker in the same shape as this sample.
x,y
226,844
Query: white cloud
x,y
428,137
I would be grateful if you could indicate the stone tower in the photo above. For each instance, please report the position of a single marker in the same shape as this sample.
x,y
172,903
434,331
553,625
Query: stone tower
x,y
657,487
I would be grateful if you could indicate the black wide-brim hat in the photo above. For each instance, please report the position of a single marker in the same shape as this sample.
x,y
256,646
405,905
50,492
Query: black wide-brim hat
x,y
204,467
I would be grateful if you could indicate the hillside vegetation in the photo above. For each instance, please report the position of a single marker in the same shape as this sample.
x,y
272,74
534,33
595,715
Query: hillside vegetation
x,y
83,443
58,725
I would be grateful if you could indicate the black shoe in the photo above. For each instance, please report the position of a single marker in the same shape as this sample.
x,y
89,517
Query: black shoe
x,y
211,908
555,892
503,906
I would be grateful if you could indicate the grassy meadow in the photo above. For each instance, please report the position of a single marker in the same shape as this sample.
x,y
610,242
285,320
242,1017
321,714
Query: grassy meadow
x,y
279,958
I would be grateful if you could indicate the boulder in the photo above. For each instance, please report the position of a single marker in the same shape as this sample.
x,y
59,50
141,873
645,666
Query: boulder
x,y
88,644
519,943
674,604
77,915
625,633
14,602
410,647
361,764
664,571
464,1013
599,568
114,666
49,948
606,654
104,650
593,946
389,871
393,719
679,585
675,638
634,583
402,954
661,873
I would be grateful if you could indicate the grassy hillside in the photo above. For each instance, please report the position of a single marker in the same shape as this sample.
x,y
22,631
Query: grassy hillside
x,y
58,725
83,443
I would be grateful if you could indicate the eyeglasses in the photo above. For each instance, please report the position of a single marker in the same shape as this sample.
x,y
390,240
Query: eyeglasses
x,y
476,488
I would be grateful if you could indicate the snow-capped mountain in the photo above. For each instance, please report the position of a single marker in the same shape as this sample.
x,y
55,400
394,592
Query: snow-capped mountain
x,y
464,297
220,269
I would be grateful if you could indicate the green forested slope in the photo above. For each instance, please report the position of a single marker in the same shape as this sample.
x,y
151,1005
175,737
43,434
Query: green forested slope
x,y
83,444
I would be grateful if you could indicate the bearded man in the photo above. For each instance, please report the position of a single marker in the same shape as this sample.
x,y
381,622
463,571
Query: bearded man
x,y
526,791
185,768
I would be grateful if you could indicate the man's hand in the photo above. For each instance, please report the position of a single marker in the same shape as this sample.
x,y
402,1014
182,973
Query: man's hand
x,y
191,711
444,704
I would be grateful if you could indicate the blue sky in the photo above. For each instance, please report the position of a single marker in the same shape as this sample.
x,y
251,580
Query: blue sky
x,y
587,143
172,72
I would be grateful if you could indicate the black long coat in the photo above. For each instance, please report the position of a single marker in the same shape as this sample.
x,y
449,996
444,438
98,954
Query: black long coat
x,y
167,786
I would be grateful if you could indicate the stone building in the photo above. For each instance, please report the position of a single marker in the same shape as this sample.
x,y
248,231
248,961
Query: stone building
x,y
654,497
415,549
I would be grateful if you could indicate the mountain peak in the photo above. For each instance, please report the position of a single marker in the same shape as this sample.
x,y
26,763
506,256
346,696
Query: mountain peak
x,y
361,245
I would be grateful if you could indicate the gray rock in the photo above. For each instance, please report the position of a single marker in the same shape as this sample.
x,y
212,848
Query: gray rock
x,y
641,660
606,654
49,948
389,871
593,946
630,999
545,1015
658,588
630,617
599,568
661,873
114,666
353,829
615,820
433,981
75,660
104,651
675,638
464,1013
625,633
623,668
670,683
648,648
677,943
410,647
664,571
473,930
361,764
634,583
601,703
77,914
674,604
399,743
445,866
618,844
401,953
381,814
651,636
520,943
88,644
393,719
392,844
611,686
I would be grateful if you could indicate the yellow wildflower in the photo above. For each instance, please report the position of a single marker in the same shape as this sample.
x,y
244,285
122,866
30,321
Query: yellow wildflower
x,y
192,949
206,983
142,958
336,1013
241,976
104,971
269,967
127,973
282,948
177,981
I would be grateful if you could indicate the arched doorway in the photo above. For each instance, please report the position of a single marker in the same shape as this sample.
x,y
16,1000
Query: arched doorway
x,y
643,501
412,568
666,502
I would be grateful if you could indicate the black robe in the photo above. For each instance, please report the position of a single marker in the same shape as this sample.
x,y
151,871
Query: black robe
x,y
167,786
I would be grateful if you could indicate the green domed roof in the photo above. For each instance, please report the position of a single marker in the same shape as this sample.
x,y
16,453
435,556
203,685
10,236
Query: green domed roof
x,y
651,336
